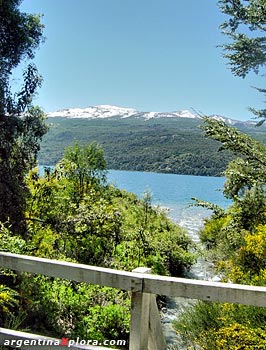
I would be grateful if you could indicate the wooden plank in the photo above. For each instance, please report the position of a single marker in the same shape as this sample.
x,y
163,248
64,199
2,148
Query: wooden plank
x,y
205,290
72,271
139,320
35,341
156,336
138,282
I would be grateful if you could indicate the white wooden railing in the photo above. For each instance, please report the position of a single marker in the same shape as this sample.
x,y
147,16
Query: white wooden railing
x,y
145,329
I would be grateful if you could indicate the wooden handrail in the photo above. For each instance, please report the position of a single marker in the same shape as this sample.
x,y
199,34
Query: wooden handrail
x,y
138,282
144,286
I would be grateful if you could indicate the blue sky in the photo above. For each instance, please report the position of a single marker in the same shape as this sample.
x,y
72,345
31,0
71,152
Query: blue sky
x,y
152,55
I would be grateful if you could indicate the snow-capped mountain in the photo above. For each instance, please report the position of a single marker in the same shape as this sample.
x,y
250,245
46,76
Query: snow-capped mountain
x,y
231,121
107,111
93,112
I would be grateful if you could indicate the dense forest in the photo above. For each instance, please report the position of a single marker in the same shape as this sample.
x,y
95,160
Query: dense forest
x,y
160,145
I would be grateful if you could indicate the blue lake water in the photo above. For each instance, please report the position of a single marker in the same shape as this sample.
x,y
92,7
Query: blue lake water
x,y
173,191
170,188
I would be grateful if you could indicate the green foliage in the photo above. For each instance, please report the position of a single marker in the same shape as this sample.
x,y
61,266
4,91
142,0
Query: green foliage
x,y
216,209
48,201
105,322
223,236
195,321
8,301
248,264
69,309
22,125
149,238
160,145
8,295
236,242
252,151
9,243
245,28
43,242
245,176
245,185
222,326
250,209
246,52
212,233
21,34
83,167
73,215
86,231
93,232
105,227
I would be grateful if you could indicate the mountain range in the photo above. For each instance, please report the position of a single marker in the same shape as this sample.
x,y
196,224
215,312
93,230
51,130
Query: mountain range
x,y
108,111
167,142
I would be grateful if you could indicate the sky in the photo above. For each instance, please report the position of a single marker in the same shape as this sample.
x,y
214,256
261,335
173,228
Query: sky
x,y
151,55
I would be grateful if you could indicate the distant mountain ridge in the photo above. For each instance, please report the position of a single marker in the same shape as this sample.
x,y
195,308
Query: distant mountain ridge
x,y
170,142
108,111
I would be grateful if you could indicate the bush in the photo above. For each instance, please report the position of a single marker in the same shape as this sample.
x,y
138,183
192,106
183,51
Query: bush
x,y
66,308
222,326
8,299
104,322
238,337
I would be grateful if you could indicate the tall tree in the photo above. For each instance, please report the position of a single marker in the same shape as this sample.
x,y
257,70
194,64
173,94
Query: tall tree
x,y
246,28
248,170
21,124
84,166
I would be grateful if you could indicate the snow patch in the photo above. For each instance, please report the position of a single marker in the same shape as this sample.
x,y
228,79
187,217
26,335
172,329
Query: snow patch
x,y
109,111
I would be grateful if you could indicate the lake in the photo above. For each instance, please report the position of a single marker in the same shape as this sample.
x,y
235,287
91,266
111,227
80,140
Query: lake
x,y
170,188
173,191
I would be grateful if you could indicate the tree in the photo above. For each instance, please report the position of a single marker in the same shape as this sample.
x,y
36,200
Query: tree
x,y
84,166
249,168
236,236
21,124
245,175
246,28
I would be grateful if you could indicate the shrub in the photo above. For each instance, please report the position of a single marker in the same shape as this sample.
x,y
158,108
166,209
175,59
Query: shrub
x,y
238,337
222,326
8,299
104,322
65,308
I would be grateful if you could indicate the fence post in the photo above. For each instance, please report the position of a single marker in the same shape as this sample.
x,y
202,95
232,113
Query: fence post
x,y
145,325
156,336
139,322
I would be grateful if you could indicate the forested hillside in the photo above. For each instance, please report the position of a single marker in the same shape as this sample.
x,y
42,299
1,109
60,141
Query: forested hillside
x,y
167,145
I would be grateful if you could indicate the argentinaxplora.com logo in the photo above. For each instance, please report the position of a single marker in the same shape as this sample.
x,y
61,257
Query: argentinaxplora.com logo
x,y
18,343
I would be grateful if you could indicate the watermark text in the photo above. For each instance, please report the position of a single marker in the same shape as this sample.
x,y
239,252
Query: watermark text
x,y
67,342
